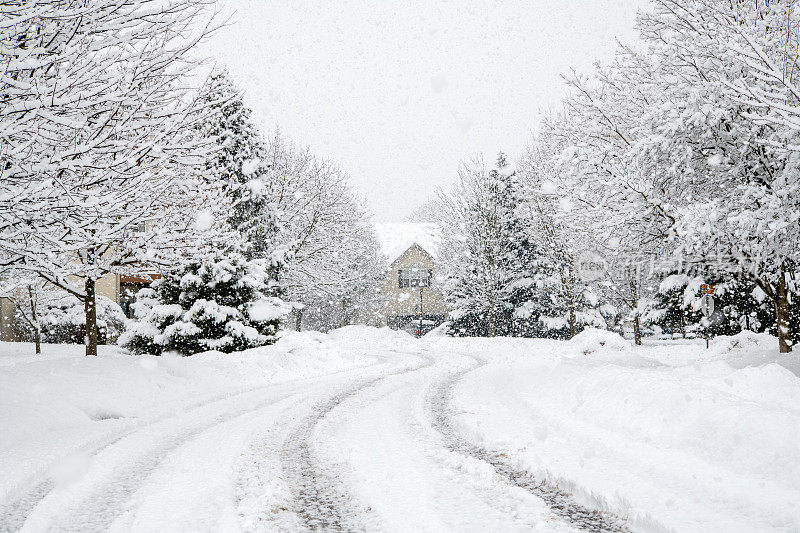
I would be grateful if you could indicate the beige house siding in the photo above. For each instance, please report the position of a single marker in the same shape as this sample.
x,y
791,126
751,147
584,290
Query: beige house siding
x,y
107,286
406,301
7,332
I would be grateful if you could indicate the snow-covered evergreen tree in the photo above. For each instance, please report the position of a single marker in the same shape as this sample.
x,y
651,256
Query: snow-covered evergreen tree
x,y
225,298
222,304
240,163
499,280
675,308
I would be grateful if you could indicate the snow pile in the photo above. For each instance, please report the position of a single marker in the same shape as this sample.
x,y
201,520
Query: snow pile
x,y
397,237
592,340
366,337
673,434
744,342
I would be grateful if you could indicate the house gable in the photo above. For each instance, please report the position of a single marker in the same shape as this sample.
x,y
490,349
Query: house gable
x,y
415,252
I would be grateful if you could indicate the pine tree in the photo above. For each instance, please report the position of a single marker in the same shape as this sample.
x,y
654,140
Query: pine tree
x,y
222,304
225,298
479,277
531,283
676,305
240,162
501,282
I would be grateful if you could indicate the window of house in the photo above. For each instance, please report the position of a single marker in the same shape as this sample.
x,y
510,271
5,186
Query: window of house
x,y
414,276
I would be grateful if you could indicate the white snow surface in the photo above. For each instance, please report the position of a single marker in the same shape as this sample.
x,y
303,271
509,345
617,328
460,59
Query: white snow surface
x,y
669,436
673,436
397,237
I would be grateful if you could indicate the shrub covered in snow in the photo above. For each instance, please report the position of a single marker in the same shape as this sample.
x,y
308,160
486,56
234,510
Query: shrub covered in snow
x,y
592,340
62,320
225,304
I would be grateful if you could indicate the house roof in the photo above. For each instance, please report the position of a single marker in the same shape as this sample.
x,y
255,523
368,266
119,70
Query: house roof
x,y
397,237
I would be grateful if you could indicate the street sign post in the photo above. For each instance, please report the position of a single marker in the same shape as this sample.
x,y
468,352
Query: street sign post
x,y
708,305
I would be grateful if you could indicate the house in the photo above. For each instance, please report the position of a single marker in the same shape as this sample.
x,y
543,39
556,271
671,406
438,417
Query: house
x,y
410,291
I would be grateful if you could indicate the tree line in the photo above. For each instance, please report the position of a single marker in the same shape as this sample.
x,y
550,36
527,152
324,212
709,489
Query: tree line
x,y
113,162
678,157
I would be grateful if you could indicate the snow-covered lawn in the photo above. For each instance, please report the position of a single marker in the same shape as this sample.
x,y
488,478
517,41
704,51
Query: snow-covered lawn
x,y
670,436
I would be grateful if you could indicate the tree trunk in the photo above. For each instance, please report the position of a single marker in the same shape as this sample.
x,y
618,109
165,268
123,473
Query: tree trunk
x,y
37,328
298,318
573,329
344,313
637,330
782,314
37,338
90,308
637,326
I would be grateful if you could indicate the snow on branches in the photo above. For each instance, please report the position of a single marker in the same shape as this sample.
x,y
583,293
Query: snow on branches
x,y
97,154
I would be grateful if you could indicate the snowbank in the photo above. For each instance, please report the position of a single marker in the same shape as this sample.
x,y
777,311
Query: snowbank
x,y
365,337
674,436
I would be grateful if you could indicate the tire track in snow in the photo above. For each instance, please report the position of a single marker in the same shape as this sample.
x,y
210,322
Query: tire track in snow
x,y
14,512
321,501
106,503
560,502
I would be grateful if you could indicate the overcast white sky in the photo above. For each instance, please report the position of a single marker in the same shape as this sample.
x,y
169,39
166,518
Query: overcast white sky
x,y
398,93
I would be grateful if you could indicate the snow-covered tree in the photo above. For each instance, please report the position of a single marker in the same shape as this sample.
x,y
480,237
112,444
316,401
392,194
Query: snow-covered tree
x,y
227,299
727,70
28,294
499,280
240,163
684,152
573,303
98,143
334,263
676,305
223,304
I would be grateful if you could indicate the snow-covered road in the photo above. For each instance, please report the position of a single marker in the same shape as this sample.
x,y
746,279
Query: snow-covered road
x,y
355,431
367,448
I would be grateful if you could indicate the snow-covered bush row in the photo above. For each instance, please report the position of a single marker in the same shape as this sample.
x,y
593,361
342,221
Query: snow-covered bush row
x,y
61,319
